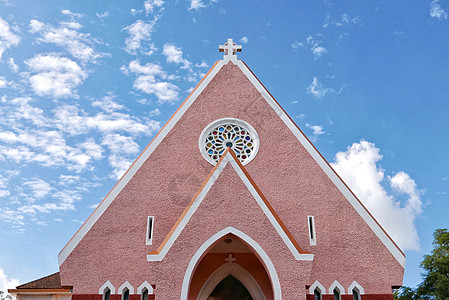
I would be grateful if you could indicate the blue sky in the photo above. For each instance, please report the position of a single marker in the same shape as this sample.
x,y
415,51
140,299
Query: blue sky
x,y
85,85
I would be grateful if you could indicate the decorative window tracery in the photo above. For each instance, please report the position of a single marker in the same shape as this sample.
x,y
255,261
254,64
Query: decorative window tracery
x,y
233,133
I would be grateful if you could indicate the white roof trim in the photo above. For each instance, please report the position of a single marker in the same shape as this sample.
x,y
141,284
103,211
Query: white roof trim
x,y
229,158
65,252
362,211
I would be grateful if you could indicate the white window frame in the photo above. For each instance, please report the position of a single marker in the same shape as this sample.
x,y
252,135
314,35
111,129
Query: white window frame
x,y
106,285
148,240
126,285
318,285
338,286
312,230
355,285
145,285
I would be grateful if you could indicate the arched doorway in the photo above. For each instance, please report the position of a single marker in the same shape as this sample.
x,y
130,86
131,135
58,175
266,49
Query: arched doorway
x,y
230,288
230,253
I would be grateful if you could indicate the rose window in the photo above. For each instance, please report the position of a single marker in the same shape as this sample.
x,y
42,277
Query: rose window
x,y
233,133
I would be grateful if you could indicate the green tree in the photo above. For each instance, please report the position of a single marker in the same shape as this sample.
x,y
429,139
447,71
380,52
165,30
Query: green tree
x,y
435,285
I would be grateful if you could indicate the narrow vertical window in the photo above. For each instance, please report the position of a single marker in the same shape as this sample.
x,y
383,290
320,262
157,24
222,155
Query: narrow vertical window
x,y
150,225
107,294
125,295
336,294
144,294
317,294
312,232
355,294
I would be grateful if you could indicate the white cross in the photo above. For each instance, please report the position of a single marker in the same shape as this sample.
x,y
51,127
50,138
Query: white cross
x,y
230,48
230,259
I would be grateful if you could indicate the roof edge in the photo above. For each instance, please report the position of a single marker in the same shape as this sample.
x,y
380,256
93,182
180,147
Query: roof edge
x,y
279,226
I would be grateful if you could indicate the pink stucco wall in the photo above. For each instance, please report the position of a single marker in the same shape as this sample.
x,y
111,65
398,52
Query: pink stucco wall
x,y
114,249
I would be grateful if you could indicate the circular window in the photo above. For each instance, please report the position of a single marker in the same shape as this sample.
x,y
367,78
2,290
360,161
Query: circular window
x,y
234,133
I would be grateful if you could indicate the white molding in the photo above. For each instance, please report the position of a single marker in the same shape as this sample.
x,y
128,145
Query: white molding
x,y
149,241
319,159
65,252
318,285
146,285
272,274
216,123
338,182
334,285
127,285
355,284
311,226
109,285
239,273
229,158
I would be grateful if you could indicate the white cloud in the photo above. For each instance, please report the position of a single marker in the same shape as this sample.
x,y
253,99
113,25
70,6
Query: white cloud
x,y
121,150
316,89
139,32
149,5
197,4
7,283
317,130
3,82
71,14
148,81
107,103
436,11
54,75
358,168
39,187
315,47
319,51
67,36
297,45
174,55
8,39
244,40
102,16
12,65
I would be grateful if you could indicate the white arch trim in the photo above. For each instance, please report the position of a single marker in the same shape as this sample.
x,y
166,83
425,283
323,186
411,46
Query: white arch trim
x,y
229,157
108,285
257,248
238,272
127,285
334,285
318,285
355,284
146,285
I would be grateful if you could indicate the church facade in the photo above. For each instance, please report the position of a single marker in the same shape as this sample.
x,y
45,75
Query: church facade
x,y
230,200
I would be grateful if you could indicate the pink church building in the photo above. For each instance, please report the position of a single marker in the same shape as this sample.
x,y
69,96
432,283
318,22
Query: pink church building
x,y
230,200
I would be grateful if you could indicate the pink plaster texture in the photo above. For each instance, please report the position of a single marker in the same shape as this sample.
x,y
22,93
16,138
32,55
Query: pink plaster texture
x,y
114,249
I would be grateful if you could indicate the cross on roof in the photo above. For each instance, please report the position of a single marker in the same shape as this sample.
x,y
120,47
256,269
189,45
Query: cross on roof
x,y
230,48
230,259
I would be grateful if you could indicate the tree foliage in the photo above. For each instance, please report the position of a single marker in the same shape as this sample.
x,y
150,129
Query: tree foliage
x,y
435,285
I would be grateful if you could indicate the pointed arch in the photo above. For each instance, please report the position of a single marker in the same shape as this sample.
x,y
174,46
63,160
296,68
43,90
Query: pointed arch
x,y
334,285
272,274
127,285
106,285
357,286
318,285
239,273
145,285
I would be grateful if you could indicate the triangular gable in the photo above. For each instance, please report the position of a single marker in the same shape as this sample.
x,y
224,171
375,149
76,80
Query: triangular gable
x,y
229,157
319,159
